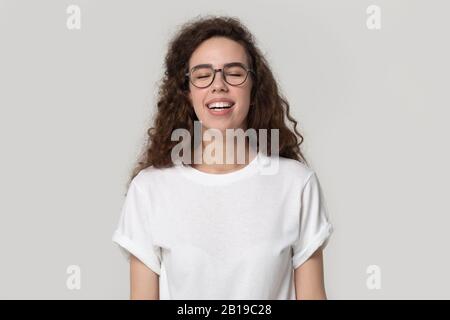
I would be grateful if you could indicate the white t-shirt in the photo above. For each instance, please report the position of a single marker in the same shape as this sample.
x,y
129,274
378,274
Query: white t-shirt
x,y
236,235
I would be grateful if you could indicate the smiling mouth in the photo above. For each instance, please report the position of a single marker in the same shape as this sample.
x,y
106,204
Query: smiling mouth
x,y
220,105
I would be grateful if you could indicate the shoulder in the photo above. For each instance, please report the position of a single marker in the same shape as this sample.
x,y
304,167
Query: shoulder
x,y
293,169
151,176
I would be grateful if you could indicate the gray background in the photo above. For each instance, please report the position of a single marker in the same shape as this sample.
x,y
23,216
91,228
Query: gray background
x,y
372,105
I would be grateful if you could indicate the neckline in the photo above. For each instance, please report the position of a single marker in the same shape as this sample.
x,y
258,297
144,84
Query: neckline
x,y
221,178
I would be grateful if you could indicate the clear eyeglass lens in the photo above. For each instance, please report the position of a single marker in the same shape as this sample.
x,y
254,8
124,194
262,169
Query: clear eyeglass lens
x,y
235,74
202,77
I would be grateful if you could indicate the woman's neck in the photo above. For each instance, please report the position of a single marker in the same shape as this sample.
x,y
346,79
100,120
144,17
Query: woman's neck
x,y
222,164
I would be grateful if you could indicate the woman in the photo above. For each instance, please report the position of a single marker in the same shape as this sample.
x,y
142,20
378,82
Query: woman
x,y
220,230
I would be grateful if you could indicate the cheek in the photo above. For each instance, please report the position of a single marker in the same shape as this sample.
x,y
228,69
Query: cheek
x,y
243,98
196,100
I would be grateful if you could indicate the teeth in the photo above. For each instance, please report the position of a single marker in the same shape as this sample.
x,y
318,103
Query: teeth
x,y
220,105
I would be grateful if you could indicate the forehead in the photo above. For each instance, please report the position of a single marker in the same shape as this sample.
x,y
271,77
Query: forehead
x,y
218,51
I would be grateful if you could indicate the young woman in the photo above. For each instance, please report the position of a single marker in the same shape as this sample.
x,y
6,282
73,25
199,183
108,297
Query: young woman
x,y
222,230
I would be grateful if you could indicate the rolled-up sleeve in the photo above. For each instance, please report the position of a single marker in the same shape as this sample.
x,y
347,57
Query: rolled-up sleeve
x,y
133,233
315,227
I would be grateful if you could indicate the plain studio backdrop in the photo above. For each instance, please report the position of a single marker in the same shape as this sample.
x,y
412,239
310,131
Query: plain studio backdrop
x,y
372,104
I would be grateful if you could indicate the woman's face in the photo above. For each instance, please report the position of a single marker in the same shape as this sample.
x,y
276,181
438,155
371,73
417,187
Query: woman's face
x,y
219,51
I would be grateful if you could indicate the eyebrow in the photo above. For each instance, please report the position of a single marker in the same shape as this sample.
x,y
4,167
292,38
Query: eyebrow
x,y
226,64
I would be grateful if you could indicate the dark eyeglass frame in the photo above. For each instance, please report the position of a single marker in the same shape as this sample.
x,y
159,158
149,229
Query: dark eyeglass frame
x,y
188,74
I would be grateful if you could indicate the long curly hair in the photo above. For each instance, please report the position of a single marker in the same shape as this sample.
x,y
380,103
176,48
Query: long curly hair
x,y
270,109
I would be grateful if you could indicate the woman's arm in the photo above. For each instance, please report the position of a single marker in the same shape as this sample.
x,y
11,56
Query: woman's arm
x,y
309,282
144,283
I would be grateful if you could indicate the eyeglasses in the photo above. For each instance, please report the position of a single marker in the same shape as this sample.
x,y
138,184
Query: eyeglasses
x,y
203,75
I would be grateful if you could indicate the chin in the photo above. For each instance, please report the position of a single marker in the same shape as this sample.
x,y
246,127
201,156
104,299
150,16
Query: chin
x,y
220,127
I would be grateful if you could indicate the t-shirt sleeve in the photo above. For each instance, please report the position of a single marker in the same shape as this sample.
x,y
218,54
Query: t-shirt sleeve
x,y
133,233
315,227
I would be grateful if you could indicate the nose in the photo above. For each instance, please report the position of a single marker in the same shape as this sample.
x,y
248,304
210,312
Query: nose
x,y
219,83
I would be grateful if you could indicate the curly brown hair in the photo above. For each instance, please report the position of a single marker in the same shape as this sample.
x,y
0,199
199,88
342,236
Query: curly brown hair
x,y
270,110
